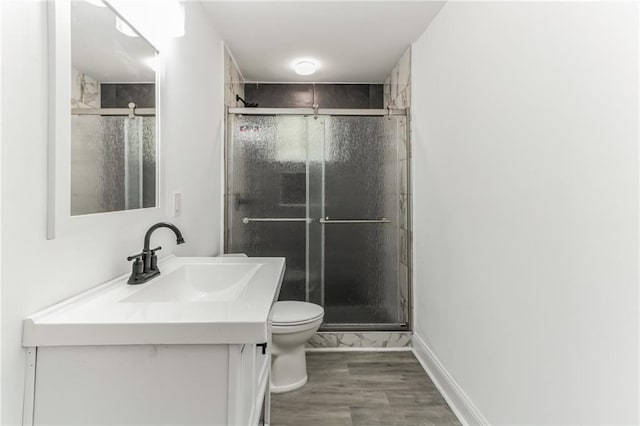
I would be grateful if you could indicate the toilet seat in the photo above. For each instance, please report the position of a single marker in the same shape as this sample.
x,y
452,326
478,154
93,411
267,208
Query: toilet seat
x,y
291,313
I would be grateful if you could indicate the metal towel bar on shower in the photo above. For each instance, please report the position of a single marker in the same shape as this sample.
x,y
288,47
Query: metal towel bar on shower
x,y
330,221
275,219
302,219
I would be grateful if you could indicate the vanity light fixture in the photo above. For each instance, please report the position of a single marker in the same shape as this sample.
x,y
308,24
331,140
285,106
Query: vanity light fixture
x,y
124,28
305,66
98,3
164,20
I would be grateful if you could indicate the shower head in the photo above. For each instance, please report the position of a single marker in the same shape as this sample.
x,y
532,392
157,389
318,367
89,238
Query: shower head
x,y
246,104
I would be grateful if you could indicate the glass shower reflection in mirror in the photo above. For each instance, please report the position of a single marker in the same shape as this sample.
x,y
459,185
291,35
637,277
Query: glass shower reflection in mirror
x,y
113,107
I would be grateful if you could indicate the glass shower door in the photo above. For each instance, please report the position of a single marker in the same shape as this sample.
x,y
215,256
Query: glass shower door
x,y
113,163
359,221
322,192
266,193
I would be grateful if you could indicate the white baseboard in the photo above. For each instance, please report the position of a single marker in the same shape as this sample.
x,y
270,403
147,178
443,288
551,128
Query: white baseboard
x,y
359,349
459,402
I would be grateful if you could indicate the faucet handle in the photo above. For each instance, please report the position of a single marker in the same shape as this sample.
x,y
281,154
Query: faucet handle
x,y
153,264
135,256
137,268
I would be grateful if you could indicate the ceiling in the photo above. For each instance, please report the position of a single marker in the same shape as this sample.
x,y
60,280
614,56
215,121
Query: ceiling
x,y
354,41
99,50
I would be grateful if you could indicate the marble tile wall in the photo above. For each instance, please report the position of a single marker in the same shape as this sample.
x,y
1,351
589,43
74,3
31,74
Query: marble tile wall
x,y
233,82
119,95
305,95
86,158
280,95
85,90
373,339
397,86
397,95
357,96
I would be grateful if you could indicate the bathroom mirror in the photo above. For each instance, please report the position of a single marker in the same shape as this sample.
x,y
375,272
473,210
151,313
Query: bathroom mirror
x,y
113,134
104,119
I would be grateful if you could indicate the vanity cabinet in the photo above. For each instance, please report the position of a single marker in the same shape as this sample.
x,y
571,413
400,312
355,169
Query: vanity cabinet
x,y
186,348
251,384
151,385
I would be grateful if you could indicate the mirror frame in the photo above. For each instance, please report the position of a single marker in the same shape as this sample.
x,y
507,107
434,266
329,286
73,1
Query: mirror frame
x,y
60,222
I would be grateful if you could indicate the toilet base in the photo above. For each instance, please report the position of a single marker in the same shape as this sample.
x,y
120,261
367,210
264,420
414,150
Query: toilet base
x,y
289,388
288,369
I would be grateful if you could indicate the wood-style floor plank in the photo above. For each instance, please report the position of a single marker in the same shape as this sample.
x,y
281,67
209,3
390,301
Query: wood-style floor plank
x,y
363,388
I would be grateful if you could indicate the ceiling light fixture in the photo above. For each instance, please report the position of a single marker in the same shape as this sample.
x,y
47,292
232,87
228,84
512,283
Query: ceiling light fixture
x,y
305,66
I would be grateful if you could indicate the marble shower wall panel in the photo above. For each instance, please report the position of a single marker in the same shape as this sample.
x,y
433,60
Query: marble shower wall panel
x,y
85,90
85,93
233,82
373,339
397,93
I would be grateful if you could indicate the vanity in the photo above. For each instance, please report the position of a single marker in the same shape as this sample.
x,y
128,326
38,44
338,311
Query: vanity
x,y
189,347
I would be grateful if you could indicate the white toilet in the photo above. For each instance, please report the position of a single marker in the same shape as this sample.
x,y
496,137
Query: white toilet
x,y
293,323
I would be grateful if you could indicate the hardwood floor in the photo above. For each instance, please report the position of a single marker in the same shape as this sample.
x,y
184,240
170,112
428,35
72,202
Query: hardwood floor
x,y
362,388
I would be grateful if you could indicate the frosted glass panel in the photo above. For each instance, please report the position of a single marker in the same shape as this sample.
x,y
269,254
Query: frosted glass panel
x,y
267,180
315,191
113,163
283,169
361,259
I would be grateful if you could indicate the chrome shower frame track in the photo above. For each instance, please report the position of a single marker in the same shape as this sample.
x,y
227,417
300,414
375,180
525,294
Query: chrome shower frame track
x,y
317,112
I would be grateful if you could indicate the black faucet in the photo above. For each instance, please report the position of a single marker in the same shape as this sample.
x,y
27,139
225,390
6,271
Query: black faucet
x,y
145,264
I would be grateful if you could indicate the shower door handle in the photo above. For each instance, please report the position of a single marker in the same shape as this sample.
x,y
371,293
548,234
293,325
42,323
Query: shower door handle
x,y
326,220
275,219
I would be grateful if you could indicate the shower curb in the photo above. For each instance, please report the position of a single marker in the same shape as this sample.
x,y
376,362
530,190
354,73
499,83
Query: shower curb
x,y
376,340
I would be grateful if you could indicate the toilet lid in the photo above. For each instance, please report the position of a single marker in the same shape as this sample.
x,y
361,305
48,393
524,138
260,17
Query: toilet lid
x,y
292,313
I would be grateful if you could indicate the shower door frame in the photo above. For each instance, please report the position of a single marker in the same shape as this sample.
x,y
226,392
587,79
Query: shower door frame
x,y
318,112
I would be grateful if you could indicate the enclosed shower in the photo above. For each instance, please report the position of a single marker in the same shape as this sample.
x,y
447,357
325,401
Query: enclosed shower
x,y
322,189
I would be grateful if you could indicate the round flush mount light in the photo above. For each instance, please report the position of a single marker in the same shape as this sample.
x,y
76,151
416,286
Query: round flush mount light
x,y
305,66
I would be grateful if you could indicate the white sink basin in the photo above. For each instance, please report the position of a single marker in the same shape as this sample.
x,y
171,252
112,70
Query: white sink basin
x,y
198,282
194,300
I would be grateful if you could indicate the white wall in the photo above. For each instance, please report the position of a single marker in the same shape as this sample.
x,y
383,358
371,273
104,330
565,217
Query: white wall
x,y
37,272
525,138
2,36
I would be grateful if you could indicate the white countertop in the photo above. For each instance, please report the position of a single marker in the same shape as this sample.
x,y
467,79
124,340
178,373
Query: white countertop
x,y
100,317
